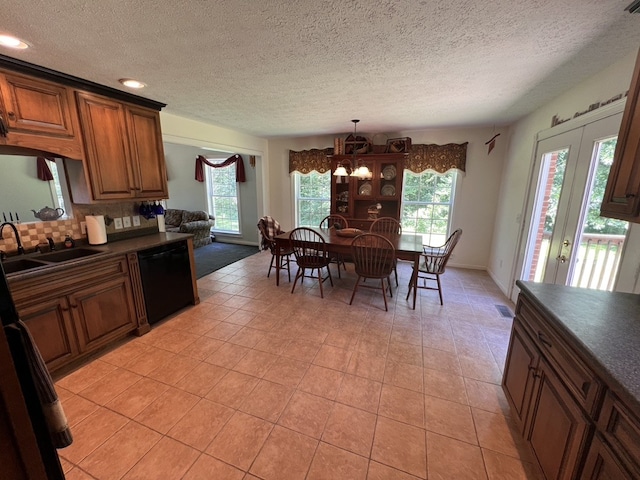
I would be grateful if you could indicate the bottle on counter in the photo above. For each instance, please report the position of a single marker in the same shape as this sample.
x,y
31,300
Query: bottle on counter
x,y
69,242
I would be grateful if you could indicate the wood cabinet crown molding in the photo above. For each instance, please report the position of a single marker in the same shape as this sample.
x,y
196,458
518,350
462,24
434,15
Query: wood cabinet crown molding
x,y
37,71
111,140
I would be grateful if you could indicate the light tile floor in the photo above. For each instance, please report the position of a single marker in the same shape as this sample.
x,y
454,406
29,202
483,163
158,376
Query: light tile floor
x,y
258,383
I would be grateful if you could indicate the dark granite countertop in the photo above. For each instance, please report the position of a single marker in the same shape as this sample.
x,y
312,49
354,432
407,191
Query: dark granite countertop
x,y
110,249
603,326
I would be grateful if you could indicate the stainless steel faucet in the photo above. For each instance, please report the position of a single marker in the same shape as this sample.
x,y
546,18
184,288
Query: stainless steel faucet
x,y
15,231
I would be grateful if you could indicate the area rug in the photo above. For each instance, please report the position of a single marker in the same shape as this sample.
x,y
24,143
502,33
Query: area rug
x,y
217,255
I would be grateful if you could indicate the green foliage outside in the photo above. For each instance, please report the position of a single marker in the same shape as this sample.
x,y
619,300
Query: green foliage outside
x,y
224,199
427,201
314,198
594,223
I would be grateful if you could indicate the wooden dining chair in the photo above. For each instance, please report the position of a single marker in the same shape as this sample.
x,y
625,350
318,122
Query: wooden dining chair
x,y
390,226
432,264
269,228
339,222
386,225
310,251
374,257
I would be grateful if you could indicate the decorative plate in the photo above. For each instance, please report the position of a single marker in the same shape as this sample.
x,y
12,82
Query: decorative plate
x,y
365,189
388,191
389,172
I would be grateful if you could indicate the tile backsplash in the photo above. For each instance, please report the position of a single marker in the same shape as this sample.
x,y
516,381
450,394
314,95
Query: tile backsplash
x,y
31,234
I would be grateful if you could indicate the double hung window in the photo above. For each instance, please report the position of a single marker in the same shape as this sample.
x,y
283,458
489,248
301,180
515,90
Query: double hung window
x,y
222,197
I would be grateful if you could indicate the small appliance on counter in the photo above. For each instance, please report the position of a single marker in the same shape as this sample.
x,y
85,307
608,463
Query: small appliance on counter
x,y
96,229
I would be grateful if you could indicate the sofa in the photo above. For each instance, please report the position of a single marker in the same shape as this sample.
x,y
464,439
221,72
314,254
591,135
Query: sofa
x,y
198,223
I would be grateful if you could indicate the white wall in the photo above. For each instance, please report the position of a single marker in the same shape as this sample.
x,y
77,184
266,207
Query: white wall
x,y
184,191
183,142
519,159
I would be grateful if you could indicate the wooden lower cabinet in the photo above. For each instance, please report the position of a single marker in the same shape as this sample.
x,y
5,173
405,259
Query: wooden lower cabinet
x,y
522,361
550,420
102,312
90,307
51,327
576,427
557,429
602,465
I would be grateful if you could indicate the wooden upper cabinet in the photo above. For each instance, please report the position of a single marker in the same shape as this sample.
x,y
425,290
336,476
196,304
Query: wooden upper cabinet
x,y
124,154
622,194
147,152
40,115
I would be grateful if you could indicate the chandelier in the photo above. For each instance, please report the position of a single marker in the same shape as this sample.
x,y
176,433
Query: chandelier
x,y
358,169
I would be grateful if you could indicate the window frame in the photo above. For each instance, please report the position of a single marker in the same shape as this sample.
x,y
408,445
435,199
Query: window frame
x,y
428,237
208,173
296,196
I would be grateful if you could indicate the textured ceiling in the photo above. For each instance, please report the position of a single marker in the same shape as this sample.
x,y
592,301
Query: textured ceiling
x,y
304,67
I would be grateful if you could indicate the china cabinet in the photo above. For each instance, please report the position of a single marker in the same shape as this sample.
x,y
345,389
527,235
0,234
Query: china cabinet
x,y
362,199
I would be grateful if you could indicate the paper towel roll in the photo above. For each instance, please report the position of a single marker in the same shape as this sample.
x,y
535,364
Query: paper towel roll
x,y
96,229
161,224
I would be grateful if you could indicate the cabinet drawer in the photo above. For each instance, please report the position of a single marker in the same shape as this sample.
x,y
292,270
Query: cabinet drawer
x,y
621,429
580,380
602,464
27,291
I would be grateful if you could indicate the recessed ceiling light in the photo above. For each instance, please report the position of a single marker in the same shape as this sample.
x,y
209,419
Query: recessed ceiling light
x,y
12,42
131,83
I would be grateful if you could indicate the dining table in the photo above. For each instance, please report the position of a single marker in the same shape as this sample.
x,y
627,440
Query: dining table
x,y
408,246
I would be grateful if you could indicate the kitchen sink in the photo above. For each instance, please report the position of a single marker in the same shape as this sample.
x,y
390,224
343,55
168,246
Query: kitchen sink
x,y
20,265
70,254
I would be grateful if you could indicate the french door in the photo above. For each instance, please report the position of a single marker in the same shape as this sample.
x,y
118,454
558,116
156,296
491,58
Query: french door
x,y
568,242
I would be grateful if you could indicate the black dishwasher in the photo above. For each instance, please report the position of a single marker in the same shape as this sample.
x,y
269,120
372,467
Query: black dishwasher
x,y
166,279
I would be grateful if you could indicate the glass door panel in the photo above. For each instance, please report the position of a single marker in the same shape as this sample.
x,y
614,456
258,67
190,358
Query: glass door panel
x,y
556,156
600,239
569,243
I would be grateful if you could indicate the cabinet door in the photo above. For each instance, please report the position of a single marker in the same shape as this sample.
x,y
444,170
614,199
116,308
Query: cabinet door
x,y
518,379
147,154
602,465
622,195
557,429
50,325
103,312
37,106
107,147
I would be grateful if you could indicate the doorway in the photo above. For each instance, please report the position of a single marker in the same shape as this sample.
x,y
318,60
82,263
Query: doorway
x,y
568,242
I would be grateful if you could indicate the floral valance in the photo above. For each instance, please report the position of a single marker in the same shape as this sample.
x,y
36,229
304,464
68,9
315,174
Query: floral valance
x,y
307,161
440,158
421,157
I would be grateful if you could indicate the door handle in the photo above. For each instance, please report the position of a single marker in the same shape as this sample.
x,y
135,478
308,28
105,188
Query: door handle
x,y
562,258
565,243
